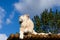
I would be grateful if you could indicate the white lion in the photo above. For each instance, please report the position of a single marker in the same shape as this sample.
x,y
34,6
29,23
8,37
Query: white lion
x,y
27,25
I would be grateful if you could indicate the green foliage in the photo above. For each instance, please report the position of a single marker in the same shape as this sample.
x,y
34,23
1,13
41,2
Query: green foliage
x,y
47,20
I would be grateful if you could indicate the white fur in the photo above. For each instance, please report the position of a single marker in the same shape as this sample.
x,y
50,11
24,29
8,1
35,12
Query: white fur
x,y
43,34
26,26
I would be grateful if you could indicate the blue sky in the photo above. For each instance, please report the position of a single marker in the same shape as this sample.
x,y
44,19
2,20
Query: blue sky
x,y
10,10
12,26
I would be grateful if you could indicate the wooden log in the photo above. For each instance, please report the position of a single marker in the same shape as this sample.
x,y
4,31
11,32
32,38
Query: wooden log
x,y
30,36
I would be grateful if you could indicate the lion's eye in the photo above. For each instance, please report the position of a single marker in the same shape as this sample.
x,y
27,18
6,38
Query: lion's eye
x,y
20,22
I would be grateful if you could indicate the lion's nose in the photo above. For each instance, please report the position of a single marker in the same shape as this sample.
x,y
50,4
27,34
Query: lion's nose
x,y
20,22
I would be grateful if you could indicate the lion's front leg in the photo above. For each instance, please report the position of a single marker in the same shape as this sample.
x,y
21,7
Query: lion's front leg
x,y
21,33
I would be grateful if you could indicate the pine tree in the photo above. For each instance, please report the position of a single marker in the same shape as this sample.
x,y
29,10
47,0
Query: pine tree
x,y
44,19
37,23
51,21
57,20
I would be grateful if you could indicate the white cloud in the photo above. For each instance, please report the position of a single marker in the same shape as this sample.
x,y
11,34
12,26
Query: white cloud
x,y
8,20
2,15
11,16
34,7
3,37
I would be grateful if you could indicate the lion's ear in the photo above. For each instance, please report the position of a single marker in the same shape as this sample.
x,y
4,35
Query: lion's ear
x,y
27,15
